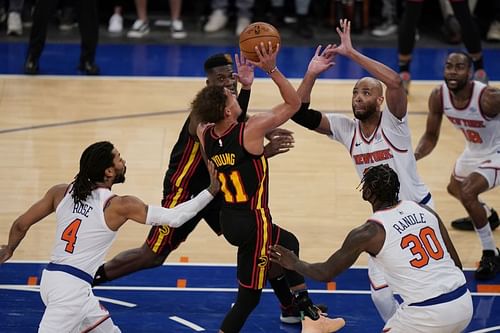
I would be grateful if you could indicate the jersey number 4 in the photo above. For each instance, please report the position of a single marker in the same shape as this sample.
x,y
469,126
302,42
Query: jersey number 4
x,y
69,235
235,179
423,246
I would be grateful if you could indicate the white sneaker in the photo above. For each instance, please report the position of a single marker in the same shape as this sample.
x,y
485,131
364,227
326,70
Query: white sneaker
x,y
216,21
385,29
139,29
115,23
494,31
14,24
241,24
177,30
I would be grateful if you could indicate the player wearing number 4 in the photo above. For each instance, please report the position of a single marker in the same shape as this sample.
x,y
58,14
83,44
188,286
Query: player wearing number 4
x,y
473,108
411,244
88,215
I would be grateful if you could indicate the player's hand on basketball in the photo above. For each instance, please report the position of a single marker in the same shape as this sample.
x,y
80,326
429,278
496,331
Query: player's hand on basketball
x,y
280,141
344,32
214,179
245,71
322,60
283,256
5,253
267,56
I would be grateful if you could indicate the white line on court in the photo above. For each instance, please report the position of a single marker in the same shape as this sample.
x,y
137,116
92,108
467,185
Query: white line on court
x,y
487,329
187,323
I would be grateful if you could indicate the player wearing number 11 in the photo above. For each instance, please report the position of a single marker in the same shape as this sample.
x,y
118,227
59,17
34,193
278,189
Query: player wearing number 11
x,y
411,244
88,215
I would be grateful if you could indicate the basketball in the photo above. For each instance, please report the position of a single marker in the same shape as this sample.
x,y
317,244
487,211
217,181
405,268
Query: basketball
x,y
256,33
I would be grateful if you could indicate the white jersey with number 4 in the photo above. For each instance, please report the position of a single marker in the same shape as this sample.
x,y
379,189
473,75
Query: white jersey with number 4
x,y
389,144
414,258
482,134
82,237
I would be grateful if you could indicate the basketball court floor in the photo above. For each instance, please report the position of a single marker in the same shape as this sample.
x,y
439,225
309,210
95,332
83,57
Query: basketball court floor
x,y
140,104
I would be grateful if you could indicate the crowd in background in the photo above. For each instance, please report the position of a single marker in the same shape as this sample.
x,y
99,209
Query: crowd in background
x,y
130,18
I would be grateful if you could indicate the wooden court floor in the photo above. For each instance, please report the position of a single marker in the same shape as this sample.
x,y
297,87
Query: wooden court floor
x,y
46,122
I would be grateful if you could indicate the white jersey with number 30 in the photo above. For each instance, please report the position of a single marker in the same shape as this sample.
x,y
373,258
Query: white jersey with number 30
x,y
415,260
82,236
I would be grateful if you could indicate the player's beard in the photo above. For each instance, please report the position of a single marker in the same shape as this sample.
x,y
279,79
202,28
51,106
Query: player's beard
x,y
370,109
461,83
120,178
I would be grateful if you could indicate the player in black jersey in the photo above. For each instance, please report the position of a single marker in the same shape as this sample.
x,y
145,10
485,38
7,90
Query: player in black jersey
x,y
237,149
187,175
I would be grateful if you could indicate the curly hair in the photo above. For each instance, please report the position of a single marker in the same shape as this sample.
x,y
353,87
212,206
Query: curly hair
x,y
208,105
95,159
383,182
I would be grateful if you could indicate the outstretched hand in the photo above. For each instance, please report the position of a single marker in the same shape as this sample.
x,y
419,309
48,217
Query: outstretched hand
x,y
283,256
344,32
245,70
322,61
267,56
280,141
5,253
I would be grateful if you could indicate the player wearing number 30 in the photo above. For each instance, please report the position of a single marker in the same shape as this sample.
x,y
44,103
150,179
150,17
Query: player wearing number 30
x,y
88,215
411,244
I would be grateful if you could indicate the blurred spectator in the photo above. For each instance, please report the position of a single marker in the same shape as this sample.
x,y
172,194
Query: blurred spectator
x,y
115,24
140,28
406,38
88,23
494,30
218,18
67,19
303,27
388,25
14,23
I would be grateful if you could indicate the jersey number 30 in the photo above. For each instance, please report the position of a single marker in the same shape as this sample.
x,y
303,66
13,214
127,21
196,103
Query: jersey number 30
x,y
423,246
69,235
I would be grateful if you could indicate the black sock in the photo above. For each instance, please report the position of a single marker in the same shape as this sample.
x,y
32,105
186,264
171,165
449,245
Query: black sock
x,y
282,291
306,305
478,63
404,66
100,276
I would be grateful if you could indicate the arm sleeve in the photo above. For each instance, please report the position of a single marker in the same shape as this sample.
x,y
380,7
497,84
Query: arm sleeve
x,y
180,214
306,117
243,100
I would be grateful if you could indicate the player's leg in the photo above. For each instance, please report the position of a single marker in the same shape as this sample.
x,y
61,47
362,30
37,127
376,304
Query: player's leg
x,y
64,296
160,242
97,318
478,182
381,294
463,167
246,301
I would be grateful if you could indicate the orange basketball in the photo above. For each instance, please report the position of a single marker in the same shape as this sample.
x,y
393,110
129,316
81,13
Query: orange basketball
x,y
256,33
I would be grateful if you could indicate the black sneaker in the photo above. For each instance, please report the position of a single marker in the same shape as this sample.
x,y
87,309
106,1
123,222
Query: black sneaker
x,y
466,224
489,266
31,65
291,314
89,68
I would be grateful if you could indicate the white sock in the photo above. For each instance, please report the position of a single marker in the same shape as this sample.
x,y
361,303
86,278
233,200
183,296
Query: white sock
x,y
385,302
486,238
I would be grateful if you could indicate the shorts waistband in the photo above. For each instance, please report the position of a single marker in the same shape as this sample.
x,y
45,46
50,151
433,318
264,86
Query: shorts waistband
x,y
70,270
448,297
426,199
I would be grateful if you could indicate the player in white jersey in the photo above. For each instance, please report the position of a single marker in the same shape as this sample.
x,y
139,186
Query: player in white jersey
x,y
374,137
88,215
473,109
411,244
